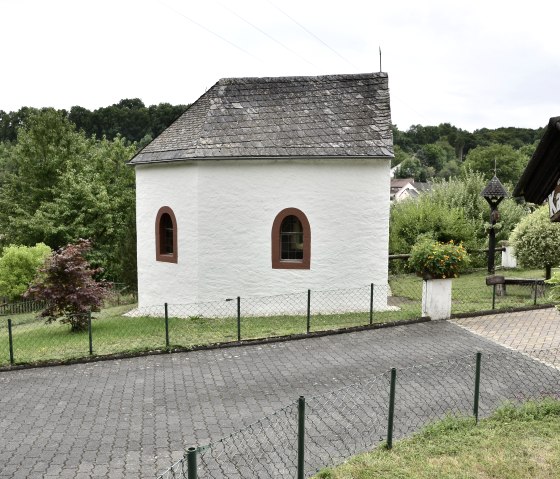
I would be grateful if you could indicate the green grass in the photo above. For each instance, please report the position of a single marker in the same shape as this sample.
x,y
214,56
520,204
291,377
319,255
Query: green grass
x,y
35,341
470,293
515,443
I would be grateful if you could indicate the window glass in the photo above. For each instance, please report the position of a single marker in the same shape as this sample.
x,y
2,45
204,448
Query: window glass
x,y
166,232
291,239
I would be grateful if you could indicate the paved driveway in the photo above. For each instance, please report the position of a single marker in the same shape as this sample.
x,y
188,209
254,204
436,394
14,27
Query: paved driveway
x,y
527,331
134,417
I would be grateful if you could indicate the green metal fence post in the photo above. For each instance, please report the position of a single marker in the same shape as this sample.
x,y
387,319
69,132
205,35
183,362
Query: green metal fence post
x,y
11,341
90,337
535,286
166,326
308,324
477,386
391,408
301,438
239,318
371,305
493,296
191,463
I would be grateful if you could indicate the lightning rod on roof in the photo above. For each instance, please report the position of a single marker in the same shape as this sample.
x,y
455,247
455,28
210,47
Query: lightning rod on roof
x,y
380,60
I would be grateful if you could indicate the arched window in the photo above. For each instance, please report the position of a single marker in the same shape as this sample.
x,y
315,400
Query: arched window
x,y
291,240
166,235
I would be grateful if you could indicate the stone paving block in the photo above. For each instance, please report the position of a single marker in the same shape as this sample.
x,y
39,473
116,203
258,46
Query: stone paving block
x,y
135,417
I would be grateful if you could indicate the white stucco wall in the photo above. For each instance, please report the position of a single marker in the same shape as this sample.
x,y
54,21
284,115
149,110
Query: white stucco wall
x,y
225,211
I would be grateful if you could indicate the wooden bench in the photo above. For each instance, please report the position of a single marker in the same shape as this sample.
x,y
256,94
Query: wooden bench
x,y
500,282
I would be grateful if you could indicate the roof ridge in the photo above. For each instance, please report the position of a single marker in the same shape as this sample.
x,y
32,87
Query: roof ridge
x,y
340,76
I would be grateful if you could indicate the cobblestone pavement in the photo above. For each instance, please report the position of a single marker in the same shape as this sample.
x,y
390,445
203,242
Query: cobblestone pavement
x,y
134,417
523,331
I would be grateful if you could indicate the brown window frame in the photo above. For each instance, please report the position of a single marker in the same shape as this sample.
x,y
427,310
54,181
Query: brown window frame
x,y
166,257
277,261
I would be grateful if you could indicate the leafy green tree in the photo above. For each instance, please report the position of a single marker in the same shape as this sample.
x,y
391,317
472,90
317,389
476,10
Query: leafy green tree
x,y
412,168
450,169
18,267
509,162
463,192
11,121
452,210
412,219
66,282
433,155
400,155
514,137
61,186
536,239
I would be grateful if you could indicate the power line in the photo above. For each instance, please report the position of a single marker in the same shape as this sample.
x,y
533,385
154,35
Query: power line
x,y
268,35
208,30
313,35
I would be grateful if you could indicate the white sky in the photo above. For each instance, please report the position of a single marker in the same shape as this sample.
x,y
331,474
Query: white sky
x,y
473,63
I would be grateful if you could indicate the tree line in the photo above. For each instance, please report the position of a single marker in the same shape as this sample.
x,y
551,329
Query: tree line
x,y
129,118
428,152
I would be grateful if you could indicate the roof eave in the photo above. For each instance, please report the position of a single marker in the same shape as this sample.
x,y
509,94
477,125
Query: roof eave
x,y
229,158
543,170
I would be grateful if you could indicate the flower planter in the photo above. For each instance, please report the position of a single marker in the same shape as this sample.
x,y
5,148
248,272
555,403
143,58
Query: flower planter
x,y
436,298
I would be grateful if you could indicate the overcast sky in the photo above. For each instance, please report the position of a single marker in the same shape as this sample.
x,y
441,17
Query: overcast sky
x,y
473,63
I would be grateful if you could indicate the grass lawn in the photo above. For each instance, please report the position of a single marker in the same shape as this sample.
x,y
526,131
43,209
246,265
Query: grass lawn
x,y
35,341
470,292
515,443
114,333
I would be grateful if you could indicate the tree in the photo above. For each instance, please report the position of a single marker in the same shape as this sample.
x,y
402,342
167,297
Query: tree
x,y
452,210
60,186
433,155
412,168
463,192
536,239
67,283
411,220
18,267
509,162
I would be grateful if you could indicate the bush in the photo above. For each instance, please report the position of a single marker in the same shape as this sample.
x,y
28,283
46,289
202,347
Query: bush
x,y
452,210
68,285
18,267
536,240
411,219
434,260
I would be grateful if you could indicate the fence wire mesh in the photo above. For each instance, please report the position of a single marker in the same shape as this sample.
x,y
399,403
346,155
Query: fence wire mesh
x,y
472,296
119,328
341,423
354,419
267,448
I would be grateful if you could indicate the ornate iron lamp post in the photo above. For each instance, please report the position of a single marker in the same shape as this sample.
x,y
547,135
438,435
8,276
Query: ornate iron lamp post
x,y
493,193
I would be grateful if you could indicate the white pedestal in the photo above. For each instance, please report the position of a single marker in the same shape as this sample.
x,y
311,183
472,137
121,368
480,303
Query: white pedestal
x,y
436,298
508,258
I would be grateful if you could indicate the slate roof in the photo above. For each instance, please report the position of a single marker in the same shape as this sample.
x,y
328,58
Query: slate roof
x,y
494,188
303,117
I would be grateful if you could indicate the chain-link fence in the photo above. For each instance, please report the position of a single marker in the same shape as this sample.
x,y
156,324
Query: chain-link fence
x,y
25,338
118,329
312,433
474,295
